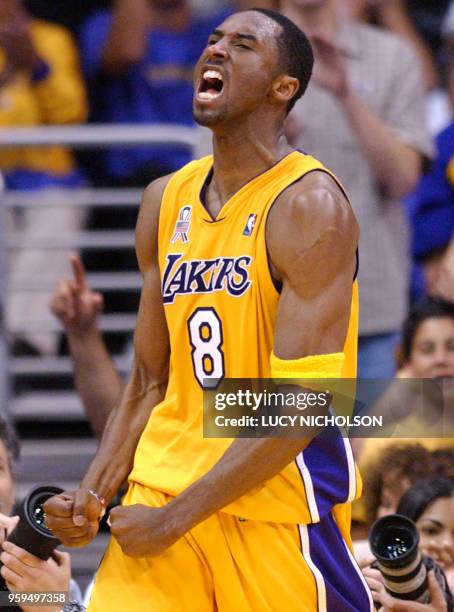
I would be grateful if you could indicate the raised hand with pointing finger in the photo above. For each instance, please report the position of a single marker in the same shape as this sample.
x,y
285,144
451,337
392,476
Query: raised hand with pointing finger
x,y
74,303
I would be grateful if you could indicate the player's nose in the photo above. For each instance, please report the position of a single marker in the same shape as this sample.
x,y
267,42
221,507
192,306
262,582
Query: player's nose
x,y
217,50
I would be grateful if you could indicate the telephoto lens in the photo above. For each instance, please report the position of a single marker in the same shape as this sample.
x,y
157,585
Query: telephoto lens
x,y
30,532
394,541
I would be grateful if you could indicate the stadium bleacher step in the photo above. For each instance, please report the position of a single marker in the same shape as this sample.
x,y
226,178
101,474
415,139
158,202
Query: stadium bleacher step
x,y
42,405
55,461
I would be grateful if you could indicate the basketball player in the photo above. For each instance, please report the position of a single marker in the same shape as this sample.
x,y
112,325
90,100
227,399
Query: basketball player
x,y
249,260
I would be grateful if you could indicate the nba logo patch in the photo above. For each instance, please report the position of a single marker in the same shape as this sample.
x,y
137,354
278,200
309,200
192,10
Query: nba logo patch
x,y
249,227
182,225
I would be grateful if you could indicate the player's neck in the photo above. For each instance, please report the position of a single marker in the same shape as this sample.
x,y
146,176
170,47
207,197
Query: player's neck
x,y
321,20
240,157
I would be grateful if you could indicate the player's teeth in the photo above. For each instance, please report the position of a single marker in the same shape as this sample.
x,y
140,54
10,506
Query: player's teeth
x,y
212,74
206,95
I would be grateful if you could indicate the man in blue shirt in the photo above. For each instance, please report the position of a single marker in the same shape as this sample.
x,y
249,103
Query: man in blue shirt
x,y
431,213
138,59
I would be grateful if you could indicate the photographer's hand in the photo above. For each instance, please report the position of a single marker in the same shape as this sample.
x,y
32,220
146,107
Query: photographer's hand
x,y
373,577
437,600
7,524
23,571
73,517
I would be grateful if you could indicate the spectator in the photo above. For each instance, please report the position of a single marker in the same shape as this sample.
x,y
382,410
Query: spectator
x,y
40,83
363,115
139,59
428,340
68,14
394,15
427,353
428,18
386,480
431,214
96,379
21,570
430,504
443,462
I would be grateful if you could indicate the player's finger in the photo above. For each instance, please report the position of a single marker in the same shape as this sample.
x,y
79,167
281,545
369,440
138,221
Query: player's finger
x,y
59,506
61,525
86,508
78,271
84,538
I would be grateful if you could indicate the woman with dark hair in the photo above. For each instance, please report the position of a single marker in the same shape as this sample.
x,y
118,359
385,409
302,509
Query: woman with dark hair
x,y
430,504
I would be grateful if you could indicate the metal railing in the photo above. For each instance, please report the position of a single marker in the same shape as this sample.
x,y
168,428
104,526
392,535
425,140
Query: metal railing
x,y
100,136
80,137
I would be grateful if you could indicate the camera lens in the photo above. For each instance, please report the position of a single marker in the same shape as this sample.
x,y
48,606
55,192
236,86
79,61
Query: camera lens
x,y
39,516
31,532
33,509
394,541
394,544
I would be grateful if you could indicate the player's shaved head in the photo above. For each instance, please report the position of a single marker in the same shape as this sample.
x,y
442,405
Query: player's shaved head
x,y
296,57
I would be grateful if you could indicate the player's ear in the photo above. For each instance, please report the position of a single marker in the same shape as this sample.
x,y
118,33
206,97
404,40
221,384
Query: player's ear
x,y
285,87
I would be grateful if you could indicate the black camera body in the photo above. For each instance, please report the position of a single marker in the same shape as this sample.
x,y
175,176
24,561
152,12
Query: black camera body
x,y
394,542
30,532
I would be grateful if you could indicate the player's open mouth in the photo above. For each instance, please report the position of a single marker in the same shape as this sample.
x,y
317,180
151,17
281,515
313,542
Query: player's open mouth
x,y
210,86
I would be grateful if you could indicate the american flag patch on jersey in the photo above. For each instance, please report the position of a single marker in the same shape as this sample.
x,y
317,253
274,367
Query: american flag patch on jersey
x,y
249,227
182,225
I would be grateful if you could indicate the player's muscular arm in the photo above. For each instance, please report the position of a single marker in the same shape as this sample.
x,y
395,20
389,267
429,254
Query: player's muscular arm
x,y
69,515
312,238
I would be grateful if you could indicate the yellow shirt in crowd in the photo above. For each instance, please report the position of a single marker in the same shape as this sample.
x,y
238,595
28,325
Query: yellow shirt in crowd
x,y
59,98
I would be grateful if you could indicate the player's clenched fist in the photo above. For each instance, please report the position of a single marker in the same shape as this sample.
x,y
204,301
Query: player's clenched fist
x,y
142,531
73,517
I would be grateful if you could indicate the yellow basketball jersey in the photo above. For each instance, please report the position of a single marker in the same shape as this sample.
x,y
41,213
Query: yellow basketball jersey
x,y
220,305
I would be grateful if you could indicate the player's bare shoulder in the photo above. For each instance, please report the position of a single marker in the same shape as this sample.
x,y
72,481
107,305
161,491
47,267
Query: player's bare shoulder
x,y
148,222
312,229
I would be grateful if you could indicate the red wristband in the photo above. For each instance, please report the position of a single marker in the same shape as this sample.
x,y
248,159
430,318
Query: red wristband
x,y
99,498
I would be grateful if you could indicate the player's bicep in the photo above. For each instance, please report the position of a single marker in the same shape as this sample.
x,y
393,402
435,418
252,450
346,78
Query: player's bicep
x,y
313,325
312,244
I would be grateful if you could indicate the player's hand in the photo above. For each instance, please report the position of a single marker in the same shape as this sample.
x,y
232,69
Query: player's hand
x,y
329,68
73,517
23,571
142,531
437,600
74,303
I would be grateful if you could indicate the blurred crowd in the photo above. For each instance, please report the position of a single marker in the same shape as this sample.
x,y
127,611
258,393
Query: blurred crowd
x,y
379,112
